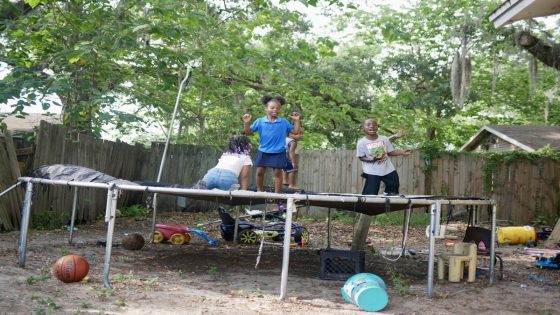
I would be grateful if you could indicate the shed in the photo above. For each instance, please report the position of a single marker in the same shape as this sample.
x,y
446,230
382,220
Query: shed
x,y
494,138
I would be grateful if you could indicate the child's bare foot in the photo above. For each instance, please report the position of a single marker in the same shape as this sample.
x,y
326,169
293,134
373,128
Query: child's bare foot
x,y
295,187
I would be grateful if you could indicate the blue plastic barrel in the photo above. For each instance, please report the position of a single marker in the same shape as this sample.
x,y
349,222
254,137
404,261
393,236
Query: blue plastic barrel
x,y
367,291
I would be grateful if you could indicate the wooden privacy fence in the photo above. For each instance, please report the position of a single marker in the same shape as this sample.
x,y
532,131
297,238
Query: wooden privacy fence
x,y
56,146
524,190
185,165
11,202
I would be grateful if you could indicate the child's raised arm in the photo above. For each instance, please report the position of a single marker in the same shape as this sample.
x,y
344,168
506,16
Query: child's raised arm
x,y
247,124
297,124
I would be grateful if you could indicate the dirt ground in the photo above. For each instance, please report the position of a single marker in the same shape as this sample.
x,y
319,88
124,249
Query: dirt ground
x,y
198,279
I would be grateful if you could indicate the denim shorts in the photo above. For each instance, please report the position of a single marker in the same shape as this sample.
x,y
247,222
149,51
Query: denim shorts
x,y
220,179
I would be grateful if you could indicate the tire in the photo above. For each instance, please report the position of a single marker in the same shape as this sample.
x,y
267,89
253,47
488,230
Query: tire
x,y
158,237
248,237
180,239
301,236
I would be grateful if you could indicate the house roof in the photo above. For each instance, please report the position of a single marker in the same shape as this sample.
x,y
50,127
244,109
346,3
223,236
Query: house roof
x,y
528,138
29,122
515,10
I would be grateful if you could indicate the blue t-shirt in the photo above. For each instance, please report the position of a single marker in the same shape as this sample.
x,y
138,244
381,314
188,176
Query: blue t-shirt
x,y
272,134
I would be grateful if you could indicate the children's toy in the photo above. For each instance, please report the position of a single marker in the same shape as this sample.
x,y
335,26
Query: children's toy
x,y
178,234
549,262
249,233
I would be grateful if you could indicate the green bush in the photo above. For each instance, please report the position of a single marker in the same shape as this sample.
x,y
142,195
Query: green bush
x,y
49,220
134,211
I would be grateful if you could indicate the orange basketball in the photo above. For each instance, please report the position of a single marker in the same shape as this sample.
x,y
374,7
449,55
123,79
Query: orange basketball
x,y
70,268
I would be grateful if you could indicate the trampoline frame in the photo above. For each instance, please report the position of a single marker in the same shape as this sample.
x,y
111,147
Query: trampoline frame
x,y
113,192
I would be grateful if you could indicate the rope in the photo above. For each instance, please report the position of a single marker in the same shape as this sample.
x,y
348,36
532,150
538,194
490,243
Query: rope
x,y
450,213
262,236
405,234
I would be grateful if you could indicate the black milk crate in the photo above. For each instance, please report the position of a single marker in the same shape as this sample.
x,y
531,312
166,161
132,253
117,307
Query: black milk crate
x,y
341,264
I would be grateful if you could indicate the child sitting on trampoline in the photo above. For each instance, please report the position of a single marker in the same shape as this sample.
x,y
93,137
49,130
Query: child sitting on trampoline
x,y
272,131
232,170
373,150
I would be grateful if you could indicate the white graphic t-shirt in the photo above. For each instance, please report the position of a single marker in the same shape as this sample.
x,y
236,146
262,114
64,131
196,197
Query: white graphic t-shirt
x,y
376,148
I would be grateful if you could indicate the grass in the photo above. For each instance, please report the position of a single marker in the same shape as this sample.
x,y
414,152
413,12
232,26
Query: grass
x,y
213,271
103,294
119,302
47,306
400,284
123,278
151,282
397,218
344,217
44,274
384,219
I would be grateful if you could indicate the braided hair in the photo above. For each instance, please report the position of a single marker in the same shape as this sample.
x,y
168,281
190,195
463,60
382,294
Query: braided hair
x,y
239,145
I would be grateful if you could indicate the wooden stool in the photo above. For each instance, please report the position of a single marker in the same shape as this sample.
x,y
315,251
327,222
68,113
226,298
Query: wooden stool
x,y
462,253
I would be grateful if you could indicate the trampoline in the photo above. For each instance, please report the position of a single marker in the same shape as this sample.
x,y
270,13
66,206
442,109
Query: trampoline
x,y
366,204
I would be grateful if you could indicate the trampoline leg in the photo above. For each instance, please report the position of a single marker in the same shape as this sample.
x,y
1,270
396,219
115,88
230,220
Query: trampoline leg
x,y
329,229
112,196
236,227
25,224
434,210
73,218
286,253
154,206
493,245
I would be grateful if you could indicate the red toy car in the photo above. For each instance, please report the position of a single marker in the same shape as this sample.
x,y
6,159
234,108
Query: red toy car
x,y
175,233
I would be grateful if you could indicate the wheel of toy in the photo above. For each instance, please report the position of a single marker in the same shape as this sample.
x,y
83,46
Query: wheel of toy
x,y
178,239
187,238
248,237
158,237
301,236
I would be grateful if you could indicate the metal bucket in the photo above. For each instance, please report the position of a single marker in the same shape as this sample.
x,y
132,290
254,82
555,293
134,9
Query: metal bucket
x,y
367,291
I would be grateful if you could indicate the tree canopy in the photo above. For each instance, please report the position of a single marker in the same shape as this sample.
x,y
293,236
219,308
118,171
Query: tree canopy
x,y
433,72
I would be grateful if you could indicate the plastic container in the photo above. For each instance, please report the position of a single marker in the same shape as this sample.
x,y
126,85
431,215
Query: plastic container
x,y
516,234
367,291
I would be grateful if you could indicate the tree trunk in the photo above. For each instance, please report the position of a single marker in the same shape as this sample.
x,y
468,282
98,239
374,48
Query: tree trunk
x,y
548,53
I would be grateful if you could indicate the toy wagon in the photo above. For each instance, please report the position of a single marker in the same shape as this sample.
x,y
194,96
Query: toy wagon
x,y
178,234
